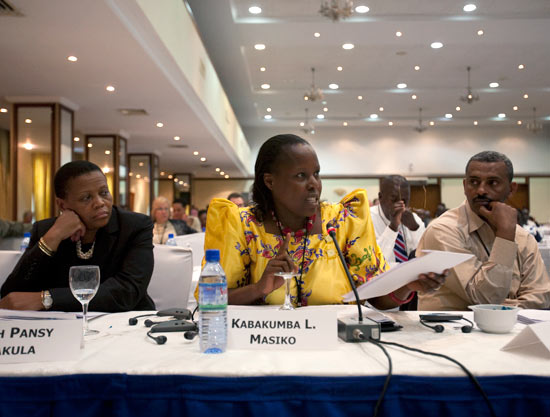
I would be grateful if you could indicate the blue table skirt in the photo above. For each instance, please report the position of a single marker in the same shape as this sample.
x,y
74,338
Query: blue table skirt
x,y
180,395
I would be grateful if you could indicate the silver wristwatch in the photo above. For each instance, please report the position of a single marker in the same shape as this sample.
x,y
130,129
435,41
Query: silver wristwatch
x,y
47,300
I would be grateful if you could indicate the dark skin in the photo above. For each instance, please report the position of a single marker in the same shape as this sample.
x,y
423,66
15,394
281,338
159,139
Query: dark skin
x,y
85,208
296,188
394,198
486,187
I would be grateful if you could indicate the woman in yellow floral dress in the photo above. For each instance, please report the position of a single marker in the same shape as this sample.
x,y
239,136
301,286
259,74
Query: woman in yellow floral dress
x,y
285,229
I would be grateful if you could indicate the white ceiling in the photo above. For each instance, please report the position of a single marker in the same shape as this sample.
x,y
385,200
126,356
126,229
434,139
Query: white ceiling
x,y
515,32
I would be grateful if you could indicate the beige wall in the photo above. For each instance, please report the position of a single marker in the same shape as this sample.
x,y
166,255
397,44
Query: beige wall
x,y
205,190
539,198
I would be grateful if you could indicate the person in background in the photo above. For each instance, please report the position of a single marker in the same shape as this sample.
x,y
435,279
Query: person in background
x,y
178,210
237,199
285,230
163,225
441,208
398,230
202,218
88,231
529,226
375,202
13,229
507,267
27,216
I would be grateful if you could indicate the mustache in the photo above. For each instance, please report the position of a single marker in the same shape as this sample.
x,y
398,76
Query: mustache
x,y
481,199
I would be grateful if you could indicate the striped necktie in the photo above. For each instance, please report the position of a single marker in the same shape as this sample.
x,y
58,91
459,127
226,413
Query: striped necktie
x,y
399,249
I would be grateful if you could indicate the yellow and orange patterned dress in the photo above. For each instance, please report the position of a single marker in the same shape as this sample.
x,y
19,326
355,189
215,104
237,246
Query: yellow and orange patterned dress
x,y
246,248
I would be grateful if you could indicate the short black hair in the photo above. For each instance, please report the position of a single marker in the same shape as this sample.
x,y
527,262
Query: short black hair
x,y
390,180
267,156
178,201
235,195
69,171
493,156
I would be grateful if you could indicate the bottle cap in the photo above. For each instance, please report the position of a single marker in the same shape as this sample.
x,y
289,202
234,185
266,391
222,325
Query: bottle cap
x,y
170,236
27,234
212,255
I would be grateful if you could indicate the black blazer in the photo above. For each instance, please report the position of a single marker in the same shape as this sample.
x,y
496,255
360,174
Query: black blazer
x,y
123,250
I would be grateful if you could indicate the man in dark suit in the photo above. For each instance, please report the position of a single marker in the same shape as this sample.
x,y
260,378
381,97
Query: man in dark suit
x,y
89,231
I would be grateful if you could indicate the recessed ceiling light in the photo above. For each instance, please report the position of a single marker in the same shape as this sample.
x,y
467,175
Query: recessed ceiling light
x,y
401,85
76,139
348,46
3,110
302,124
515,108
162,173
160,124
373,116
324,102
265,86
262,69
325,109
203,159
362,9
90,145
28,121
380,108
436,45
494,85
398,34
390,123
432,123
448,115
255,10
317,34
521,66
333,86
177,138
345,124
28,146
457,108
218,170
226,176
170,176
259,47
519,122
268,109
359,97
267,117
141,164
502,115
339,68
414,97
469,7
416,68
222,173
72,58
475,122
110,88
480,32
526,96
107,152
195,153
320,116
138,176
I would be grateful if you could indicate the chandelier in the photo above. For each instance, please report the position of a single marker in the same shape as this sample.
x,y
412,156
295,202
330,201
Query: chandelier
x,y
336,9
314,92
534,126
420,128
306,126
469,97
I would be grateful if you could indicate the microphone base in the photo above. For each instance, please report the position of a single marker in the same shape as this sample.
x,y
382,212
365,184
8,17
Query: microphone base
x,y
351,330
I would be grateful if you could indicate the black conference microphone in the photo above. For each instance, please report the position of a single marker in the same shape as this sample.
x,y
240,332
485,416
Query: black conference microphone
x,y
160,340
178,313
350,329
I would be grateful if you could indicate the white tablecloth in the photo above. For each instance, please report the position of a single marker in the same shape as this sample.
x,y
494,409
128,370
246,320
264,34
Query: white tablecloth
x,y
121,348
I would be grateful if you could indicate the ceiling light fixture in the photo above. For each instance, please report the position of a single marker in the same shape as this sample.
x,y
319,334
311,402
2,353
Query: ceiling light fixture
x,y
160,124
494,85
362,9
339,68
333,86
268,117
226,176
469,97
398,34
255,10
401,85
28,146
515,108
380,108
480,32
436,45
306,126
195,153
390,123
28,121
501,115
336,9
519,122
432,123
317,34
268,109
475,122
72,58
320,116
107,152
448,115
262,69
414,97
359,97
314,93
348,46
469,7
374,116
345,124
176,138
259,47
3,110
420,128
534,126
521,66
76,139
265,86
526,96
110,88
416,68
203,159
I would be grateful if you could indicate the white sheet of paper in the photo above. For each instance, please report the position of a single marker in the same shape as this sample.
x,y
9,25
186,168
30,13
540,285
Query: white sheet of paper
x,y
535,338
401,274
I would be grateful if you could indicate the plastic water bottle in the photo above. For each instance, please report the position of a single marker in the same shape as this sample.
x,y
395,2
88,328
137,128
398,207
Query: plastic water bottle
x,y
212,305
171,241
25,242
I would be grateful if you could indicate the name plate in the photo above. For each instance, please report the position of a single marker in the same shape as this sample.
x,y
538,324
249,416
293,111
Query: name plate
x,y
39,340
274,329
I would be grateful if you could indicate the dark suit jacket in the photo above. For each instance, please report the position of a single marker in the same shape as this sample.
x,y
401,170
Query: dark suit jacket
x,y
123,250
182,228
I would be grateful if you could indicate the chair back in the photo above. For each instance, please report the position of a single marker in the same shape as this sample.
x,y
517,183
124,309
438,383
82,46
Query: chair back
x,y
172,275
194,241
8,260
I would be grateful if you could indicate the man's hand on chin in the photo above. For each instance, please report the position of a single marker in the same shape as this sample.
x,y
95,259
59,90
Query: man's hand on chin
x,y
502,218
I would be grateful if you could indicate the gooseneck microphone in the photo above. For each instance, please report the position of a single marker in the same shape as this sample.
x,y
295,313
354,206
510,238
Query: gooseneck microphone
x,y
351,330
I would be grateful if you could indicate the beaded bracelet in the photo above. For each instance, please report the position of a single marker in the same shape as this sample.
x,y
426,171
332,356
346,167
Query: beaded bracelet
x,y
399,301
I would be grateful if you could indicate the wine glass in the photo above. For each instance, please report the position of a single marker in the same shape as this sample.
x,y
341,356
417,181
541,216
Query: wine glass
x,y
84,282
287,276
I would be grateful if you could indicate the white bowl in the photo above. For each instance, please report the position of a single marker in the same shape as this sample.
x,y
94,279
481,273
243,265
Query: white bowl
x,y
495,318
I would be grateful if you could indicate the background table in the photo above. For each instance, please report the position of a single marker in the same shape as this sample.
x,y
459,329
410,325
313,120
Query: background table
x,y
121,372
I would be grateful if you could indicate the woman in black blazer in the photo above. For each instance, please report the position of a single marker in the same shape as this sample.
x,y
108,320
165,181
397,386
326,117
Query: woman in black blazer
x,y
88,231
